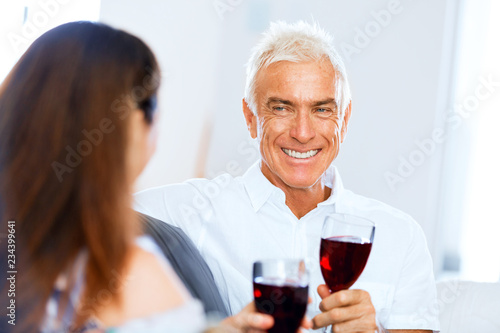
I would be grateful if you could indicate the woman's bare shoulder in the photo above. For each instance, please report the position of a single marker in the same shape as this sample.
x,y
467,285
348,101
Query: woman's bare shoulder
x,y
148,287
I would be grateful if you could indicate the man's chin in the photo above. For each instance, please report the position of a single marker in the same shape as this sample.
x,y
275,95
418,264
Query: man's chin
x,y
301,184
293,178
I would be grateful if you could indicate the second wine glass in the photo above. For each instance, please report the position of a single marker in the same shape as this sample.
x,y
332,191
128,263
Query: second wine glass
x,y
346,243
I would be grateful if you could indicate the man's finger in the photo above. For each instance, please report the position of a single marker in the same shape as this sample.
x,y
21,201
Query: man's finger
x,y
343,314
259,321
249,319
343,298
323,291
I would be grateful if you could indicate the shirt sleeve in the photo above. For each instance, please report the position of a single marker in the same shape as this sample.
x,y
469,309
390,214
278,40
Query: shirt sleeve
x,y
151,202
180,205
415,302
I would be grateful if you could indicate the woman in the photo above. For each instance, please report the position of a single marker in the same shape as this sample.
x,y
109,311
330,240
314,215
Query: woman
x,y
75,131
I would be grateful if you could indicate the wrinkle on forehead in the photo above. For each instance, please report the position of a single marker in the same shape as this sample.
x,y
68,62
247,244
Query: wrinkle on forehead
x,y
275,81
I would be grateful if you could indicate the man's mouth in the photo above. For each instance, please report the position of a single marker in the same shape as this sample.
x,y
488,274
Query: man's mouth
x,y
299,155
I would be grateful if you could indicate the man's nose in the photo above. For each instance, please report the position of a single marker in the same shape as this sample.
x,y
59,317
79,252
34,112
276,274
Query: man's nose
x,y
303,128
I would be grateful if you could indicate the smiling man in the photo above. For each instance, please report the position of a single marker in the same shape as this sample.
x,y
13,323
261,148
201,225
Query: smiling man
x,y
299,126
297,106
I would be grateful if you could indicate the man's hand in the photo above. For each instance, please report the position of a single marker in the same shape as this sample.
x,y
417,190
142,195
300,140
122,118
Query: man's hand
x,y
346,311
250,321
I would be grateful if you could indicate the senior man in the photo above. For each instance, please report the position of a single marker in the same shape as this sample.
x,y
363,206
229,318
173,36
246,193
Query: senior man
x,y
297,106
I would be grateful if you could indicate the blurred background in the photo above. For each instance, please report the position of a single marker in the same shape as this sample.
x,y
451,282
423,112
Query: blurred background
x,y
425,79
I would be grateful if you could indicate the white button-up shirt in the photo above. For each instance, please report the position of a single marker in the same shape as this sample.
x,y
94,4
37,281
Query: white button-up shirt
x,y
235,221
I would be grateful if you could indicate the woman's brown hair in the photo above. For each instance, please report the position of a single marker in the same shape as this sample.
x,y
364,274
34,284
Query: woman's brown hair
x,y
63,177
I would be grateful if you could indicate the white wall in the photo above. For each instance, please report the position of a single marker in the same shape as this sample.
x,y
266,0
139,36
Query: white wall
x,y
399,81
184,39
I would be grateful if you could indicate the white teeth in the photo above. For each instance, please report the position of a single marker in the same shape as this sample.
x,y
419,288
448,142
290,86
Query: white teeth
x,y
296,154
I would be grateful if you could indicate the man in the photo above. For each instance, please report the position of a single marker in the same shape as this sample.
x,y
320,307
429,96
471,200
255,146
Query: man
x,y
297,105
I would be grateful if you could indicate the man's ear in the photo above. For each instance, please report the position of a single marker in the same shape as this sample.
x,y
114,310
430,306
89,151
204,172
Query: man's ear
x,y
250,118
345,122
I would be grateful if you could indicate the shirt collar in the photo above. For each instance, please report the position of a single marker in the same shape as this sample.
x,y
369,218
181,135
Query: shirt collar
x,y
331,178
259,188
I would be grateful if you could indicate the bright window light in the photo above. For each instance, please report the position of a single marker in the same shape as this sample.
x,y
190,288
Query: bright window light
x,y
21,22
480,249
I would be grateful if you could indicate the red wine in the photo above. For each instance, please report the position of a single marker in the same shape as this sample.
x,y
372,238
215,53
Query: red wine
x,y
342,259
286,302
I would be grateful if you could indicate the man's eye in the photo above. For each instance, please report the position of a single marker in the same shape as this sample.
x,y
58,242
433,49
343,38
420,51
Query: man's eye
x,y
279,108
324,111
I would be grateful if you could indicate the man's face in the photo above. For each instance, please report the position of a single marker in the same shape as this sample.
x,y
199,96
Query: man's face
x,y
298,123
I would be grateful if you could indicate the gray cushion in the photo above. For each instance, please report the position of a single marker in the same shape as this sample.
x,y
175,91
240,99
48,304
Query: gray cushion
x,y
187,263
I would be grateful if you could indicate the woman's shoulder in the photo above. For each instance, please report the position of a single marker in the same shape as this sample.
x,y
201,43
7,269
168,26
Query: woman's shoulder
x,y
148,286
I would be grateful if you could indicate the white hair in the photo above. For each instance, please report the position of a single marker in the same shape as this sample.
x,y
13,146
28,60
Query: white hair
x,y
297,42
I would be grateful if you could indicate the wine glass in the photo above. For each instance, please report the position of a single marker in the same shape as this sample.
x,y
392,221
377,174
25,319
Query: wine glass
x,y
346,243
281,290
